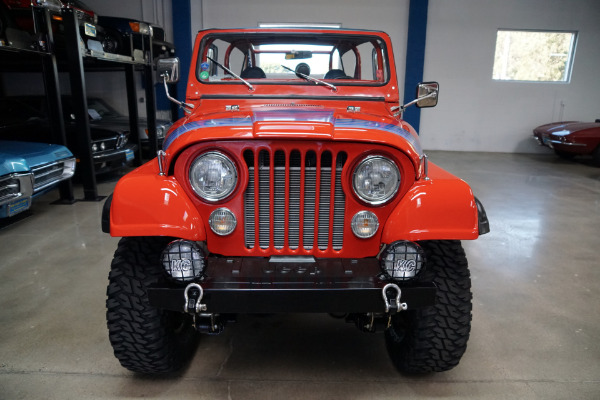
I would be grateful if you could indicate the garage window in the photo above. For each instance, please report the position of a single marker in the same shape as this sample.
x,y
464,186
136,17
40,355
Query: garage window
x,y
534,56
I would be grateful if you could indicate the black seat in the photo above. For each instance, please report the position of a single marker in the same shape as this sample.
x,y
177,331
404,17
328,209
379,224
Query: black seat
x,y
253,73
336,74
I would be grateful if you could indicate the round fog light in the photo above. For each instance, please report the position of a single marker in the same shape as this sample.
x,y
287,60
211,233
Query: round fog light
x,y
402,260
183,260
364,224
222,221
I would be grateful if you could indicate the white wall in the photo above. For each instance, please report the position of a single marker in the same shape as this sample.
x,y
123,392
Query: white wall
x,y
390,16
474,112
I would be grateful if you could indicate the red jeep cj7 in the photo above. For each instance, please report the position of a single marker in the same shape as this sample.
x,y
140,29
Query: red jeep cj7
x,y
291,185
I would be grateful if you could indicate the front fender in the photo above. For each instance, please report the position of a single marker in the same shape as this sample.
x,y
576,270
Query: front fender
x,y
440,208
147,204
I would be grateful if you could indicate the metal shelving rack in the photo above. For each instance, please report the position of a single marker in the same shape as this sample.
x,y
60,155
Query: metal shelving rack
x,y
76,58
77,61
49,69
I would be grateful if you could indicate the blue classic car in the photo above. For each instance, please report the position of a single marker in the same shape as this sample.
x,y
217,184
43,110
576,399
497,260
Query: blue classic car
x,y
28,170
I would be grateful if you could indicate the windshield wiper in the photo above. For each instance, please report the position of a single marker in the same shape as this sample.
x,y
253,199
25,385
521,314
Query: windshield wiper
x,y
311,79
232,73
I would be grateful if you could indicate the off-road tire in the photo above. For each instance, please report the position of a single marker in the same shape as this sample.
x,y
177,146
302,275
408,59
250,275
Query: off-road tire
x,y
433,339
144,339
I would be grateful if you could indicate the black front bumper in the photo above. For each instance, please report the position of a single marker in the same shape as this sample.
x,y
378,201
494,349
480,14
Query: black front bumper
x,y
255,285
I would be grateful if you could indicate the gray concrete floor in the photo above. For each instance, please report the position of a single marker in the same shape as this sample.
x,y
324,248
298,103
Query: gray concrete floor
x,y
536,317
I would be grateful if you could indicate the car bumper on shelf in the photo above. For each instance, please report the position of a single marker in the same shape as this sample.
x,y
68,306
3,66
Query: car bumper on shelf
x,y
112,160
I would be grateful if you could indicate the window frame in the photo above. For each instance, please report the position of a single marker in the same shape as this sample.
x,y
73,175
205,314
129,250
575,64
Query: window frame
x,y
568,64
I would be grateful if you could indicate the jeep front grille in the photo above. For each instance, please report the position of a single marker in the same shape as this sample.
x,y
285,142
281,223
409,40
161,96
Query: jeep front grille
x,y
297,190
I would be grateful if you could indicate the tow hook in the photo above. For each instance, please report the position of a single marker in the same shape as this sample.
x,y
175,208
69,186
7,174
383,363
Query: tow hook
x,y
211,324
193,297
391,299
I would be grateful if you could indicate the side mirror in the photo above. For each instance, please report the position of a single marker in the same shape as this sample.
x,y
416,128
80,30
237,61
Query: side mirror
x,y
168,68
427,94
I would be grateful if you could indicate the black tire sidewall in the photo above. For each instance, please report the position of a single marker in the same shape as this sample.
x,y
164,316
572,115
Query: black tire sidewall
x,y
434,339
144,339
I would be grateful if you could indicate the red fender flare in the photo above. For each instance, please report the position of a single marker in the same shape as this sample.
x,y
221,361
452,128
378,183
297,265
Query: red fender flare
x,y
439,208
147,204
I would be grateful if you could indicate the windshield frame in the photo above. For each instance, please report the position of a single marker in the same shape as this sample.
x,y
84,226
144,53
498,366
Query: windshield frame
x,y
308,37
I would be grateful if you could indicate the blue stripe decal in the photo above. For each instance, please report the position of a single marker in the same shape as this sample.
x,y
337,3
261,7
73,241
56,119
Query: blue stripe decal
x,y
391,128
339,123
209,123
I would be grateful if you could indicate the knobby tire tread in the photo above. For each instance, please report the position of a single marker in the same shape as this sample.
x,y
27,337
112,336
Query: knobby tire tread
x,y
143,337
434,339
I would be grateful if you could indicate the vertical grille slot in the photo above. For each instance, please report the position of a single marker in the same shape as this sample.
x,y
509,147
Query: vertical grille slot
x,y
339,204
294,204
281,200
249,201
310,194
264,199
324,201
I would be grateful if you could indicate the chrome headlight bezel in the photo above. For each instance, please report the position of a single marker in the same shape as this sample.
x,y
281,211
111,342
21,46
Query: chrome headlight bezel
x,y
389,194
228,186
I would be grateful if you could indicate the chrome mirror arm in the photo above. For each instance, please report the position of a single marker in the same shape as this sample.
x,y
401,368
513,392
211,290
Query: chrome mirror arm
x,y
400,109
185,106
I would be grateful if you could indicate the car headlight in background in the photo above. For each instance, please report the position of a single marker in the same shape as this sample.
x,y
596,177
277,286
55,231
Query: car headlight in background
x,y
140,27
402,260
376,180
213,176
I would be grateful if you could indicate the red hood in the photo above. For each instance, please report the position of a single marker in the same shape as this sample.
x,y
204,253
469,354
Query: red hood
x,y
290,124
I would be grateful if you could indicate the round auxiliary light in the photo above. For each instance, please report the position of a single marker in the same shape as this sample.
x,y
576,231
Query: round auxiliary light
x,y
403,260
222,221
364,224
183,260
102,146
94,147
376,180
213,176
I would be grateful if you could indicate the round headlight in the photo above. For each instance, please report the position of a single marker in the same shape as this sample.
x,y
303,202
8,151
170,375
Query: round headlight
x,y
402,260
222,221
364,224
183,260
213,176
376,180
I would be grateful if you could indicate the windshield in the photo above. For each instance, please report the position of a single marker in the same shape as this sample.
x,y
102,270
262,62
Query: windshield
x,y
100,109
291,57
